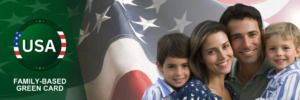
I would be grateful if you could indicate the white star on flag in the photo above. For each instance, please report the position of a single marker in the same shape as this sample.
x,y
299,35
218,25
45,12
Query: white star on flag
x,y
101,18
146,23
156,4
89,5
138,35
124,2
130,2
181,23
84,34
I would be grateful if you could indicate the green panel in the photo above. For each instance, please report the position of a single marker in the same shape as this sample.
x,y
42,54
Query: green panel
x,y
18,76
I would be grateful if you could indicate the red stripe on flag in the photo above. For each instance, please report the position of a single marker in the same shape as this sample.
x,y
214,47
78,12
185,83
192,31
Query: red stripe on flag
x,y
62,53
131,86
62,36
63,44
17,52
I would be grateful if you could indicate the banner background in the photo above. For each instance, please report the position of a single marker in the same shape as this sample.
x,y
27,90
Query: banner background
x,y
121,63
111,44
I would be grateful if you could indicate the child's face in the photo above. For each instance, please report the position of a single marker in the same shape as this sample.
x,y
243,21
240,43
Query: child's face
x,y
176,71
281,53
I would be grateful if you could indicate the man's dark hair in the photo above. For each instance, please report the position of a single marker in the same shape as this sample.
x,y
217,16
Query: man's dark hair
x,y
241,11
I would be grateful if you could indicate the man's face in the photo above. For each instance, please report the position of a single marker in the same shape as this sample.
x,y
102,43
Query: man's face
x,y
245,39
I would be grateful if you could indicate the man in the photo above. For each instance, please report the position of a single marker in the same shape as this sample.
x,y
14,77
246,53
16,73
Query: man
x,y
248,76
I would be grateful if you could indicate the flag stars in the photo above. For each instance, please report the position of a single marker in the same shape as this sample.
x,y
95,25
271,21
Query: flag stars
x,y
101,18
124,2
138,35
181,23
130,2
14,20
38,6
156,4
84,34
146,23
89,5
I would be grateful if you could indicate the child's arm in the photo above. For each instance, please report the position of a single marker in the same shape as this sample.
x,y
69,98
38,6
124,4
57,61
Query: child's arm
x,y
148,95
289,88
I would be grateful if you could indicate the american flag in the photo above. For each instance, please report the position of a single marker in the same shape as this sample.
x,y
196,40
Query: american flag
x,y
117,43
117,47
16,45
62,40
63,44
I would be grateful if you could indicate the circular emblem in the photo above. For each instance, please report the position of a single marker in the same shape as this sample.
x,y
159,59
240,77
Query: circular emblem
x,y
40,45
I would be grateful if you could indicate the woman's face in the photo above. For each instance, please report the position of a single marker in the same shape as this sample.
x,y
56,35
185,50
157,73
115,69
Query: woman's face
x,y
217,53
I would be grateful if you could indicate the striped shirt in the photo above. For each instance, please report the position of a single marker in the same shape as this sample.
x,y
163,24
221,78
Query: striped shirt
x,y
159,91
284,85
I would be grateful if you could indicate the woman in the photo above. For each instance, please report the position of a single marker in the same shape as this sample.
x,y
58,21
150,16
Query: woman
x,y
210,60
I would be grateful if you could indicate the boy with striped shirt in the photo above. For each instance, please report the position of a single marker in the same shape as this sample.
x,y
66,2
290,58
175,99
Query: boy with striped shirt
x,y
282,47
172,62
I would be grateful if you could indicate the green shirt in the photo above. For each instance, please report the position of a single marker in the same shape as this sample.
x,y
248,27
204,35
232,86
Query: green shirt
x,y
254,87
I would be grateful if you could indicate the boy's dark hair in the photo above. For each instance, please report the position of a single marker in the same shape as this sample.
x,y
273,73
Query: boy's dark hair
x,y
172,45
241,11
